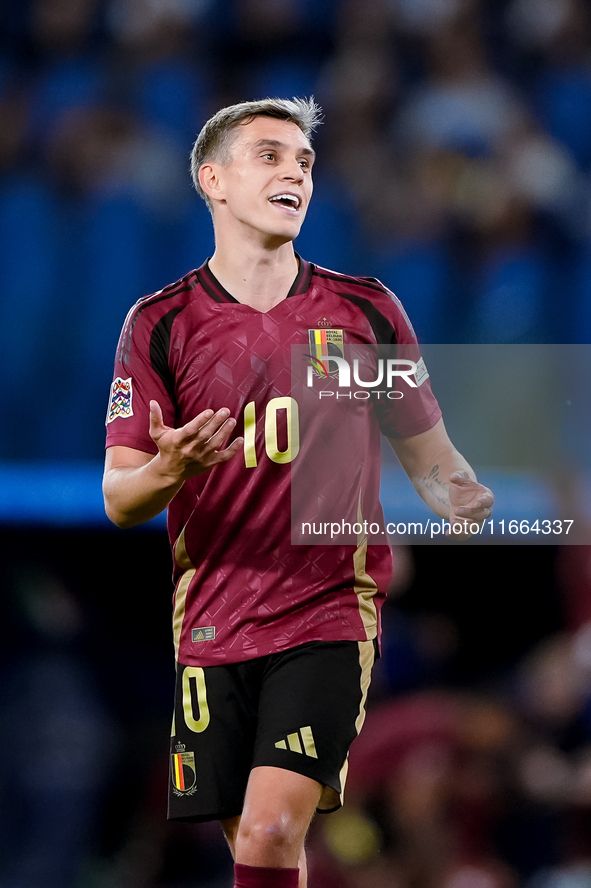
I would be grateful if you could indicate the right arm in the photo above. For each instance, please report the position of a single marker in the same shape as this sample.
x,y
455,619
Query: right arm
x,y
137,485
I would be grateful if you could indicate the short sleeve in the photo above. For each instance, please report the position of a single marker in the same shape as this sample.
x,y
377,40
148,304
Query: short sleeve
x,y
135,383
407,407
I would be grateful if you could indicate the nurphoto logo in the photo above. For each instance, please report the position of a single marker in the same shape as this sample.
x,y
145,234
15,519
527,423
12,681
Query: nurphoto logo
x,y
385,371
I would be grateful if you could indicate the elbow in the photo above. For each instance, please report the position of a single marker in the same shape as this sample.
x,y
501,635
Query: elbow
x,y
123,523
117,517
118,520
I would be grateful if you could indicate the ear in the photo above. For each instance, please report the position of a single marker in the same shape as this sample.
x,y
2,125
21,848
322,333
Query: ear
x,y
210,180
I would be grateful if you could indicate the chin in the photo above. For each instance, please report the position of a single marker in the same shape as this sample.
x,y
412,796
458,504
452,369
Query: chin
x,y
285,235
287,229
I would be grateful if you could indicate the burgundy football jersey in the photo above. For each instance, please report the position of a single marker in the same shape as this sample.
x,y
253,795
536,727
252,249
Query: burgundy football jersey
x,y
248,580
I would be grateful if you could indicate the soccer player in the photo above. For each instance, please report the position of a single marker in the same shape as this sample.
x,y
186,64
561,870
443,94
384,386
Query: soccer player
x,y
274,642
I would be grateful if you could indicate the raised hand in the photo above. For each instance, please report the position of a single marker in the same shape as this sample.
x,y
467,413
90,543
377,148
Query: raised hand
x,y
195,447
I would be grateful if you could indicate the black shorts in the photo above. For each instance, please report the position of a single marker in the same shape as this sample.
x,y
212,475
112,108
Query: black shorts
x,y
298,709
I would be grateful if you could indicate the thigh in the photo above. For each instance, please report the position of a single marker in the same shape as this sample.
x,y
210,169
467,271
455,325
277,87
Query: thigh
x,y
212,742
311,708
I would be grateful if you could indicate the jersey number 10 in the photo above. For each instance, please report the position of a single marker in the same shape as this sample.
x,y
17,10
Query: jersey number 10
x,y
271,431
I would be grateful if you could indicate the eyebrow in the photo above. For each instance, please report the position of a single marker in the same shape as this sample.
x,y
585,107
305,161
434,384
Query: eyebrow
x,y
274,143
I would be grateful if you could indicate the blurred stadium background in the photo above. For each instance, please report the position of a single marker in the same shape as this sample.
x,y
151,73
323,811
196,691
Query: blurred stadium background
x,y
454,164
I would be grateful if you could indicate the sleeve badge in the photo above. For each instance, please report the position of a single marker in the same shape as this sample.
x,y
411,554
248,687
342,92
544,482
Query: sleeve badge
x,y
420,376
120,400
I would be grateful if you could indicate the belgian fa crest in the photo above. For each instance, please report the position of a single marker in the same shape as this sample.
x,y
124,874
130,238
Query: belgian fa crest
x,y
182,771
324,343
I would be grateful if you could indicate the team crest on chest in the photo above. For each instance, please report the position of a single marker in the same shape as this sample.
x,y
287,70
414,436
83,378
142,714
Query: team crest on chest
x,y
120,400
325,342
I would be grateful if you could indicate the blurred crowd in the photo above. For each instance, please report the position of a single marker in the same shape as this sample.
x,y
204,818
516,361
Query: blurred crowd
x,y
454,164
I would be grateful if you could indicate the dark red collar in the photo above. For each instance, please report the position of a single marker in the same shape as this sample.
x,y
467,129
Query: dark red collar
x,y
213,288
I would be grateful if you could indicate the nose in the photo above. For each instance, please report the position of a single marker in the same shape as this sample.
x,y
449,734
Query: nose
x,y
292,171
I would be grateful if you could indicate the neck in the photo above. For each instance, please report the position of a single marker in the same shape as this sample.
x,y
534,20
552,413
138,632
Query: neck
x,y
255,275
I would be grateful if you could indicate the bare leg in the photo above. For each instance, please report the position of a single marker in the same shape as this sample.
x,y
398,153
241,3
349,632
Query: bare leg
x,y
278,808
230,828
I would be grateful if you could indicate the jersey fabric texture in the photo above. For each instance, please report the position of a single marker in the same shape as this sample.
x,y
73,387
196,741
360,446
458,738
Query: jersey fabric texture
x,y
298,710
242,588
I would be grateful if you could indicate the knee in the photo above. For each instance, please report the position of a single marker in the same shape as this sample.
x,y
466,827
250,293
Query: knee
x,y
230,827
273,835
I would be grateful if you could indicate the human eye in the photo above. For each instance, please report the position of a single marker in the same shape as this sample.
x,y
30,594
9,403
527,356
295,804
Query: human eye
x,y
268,155
305,163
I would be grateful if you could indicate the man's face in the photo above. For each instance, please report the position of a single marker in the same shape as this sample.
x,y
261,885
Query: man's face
x,y
267,186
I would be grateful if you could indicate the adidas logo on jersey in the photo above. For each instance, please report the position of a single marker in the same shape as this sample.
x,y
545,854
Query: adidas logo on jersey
x,y
301,741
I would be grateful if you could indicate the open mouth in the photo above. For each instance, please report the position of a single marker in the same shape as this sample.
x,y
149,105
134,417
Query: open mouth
x,y
290,201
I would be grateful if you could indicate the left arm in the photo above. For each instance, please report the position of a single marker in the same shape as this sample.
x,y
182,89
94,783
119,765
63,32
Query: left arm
x,y
443,478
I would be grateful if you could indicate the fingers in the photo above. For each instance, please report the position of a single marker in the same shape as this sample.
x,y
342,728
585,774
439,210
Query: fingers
x,y
466,493
207,428
228,452
480,504
464,522
461,478
202,419
198,445
216,431
464,486
477,511
473,513
156,419
212,435
471,501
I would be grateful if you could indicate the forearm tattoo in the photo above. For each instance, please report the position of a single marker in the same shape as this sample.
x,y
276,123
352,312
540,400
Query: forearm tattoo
x,y
438,489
